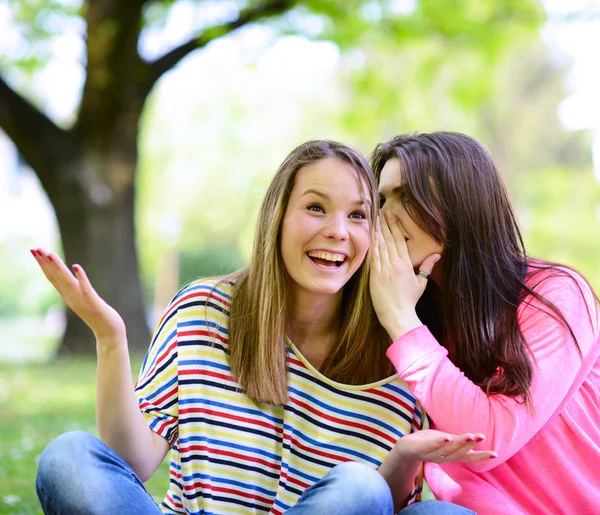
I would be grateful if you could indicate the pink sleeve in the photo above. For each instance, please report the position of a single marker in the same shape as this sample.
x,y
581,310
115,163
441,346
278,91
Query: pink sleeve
x,y
457,405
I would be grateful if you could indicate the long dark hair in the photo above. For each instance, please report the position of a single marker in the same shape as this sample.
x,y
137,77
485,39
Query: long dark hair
x,y
454,192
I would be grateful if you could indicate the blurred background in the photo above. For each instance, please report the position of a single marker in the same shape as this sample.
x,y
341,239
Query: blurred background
x,y
138,137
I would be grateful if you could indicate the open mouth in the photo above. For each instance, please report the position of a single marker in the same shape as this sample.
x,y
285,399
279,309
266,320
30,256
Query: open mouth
x,y
327,259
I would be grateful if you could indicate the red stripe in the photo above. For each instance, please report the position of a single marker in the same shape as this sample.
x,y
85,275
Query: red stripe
x,y
242,457
161,358
213,295
217,375
225,490
173,501
170,393
343,422
204,332
335,457
237,418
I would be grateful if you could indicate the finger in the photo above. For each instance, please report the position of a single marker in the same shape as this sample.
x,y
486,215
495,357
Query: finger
x,y
426,268
84,283
460,444
463,449
383,248
397,238
375,255
46,266
67,282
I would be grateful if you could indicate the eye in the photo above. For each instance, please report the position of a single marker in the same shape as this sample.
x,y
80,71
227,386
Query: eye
x,y
317,208
358,215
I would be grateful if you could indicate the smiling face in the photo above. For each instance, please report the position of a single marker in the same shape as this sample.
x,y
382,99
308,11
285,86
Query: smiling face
x,y
325,232
419,243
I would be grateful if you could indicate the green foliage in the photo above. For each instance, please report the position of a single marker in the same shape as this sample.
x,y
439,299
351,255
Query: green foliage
x,y
559,211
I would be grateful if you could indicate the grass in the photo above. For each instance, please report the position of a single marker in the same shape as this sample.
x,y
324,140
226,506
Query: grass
x,y
37,403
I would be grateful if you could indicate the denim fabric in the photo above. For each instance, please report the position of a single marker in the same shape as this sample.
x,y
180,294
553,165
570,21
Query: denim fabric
x,y
80,475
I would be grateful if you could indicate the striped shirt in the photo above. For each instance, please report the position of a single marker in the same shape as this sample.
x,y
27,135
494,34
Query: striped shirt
x,y
231,455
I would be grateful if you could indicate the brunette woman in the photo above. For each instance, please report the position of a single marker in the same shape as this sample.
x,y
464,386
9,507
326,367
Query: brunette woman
x,y
511,344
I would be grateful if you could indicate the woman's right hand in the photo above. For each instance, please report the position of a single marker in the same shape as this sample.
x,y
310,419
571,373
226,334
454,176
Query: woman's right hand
x,y
79,295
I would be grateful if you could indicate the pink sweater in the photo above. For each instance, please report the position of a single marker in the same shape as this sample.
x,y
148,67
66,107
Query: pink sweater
x,y
548,462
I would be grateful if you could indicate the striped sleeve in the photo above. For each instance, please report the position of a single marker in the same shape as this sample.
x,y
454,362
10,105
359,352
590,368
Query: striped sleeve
x,y
420,421
157,386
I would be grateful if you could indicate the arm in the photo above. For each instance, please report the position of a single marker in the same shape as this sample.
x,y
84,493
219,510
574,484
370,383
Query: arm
x,y
120,423
456,404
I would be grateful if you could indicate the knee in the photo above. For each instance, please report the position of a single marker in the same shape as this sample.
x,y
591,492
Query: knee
x,y
63,462
363,483
64,453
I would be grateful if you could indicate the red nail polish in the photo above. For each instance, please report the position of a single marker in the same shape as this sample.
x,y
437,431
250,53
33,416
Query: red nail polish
x,y
493,457
76,268
470,439
50,258
37,252
480,439
32,252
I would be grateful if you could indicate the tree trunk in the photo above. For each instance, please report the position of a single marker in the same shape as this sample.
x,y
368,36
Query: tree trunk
x,y
96,220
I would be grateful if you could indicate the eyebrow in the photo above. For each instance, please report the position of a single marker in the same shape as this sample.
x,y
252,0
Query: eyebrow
x,y
397,190
324,196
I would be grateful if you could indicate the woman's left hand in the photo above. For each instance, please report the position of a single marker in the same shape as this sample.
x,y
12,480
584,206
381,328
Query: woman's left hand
x,y
395,288
438,447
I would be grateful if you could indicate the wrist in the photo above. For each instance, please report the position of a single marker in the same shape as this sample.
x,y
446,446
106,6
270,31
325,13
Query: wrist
x,y
108,341
402,325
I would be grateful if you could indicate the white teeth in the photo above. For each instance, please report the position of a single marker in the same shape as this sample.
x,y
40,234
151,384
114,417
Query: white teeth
x,y
327,255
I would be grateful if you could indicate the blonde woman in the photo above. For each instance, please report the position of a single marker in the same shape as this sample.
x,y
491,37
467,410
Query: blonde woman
x,y
260,382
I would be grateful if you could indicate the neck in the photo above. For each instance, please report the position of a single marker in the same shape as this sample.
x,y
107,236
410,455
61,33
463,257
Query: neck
x,y
313,324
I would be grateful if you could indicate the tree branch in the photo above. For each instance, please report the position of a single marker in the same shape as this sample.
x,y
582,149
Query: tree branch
x,y
247,16
36,137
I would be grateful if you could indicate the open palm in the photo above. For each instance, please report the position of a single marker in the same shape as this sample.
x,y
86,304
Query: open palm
x,y
79,295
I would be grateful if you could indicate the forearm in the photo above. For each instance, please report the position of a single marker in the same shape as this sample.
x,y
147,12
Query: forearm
x,y
120,423
399,473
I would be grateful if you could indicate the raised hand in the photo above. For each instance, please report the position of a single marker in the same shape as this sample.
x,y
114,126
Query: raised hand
x,y
79,295
395,288
439,447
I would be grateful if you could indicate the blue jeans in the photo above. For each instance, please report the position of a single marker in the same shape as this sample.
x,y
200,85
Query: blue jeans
x,y
79,474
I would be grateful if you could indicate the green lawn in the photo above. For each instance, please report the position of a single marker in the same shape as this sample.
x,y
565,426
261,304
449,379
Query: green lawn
x,y
37,403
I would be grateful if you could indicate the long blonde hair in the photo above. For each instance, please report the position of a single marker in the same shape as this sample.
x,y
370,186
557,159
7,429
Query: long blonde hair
x,y
258,317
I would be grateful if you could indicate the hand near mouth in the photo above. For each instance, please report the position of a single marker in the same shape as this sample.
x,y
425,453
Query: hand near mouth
x,y
395,288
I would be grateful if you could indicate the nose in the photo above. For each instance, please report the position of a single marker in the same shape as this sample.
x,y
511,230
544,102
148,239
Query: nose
x,y
337,228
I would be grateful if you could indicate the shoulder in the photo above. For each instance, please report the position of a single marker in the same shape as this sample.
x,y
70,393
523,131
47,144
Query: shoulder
x,y
213,289
557,282
565,289
207,294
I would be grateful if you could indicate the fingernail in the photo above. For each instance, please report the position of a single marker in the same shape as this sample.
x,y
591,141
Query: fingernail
x,y
493,457
76,268
50,258
480,439
32,252
447,439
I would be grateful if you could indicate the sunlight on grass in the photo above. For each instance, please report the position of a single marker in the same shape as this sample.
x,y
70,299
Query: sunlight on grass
x,y
39,402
